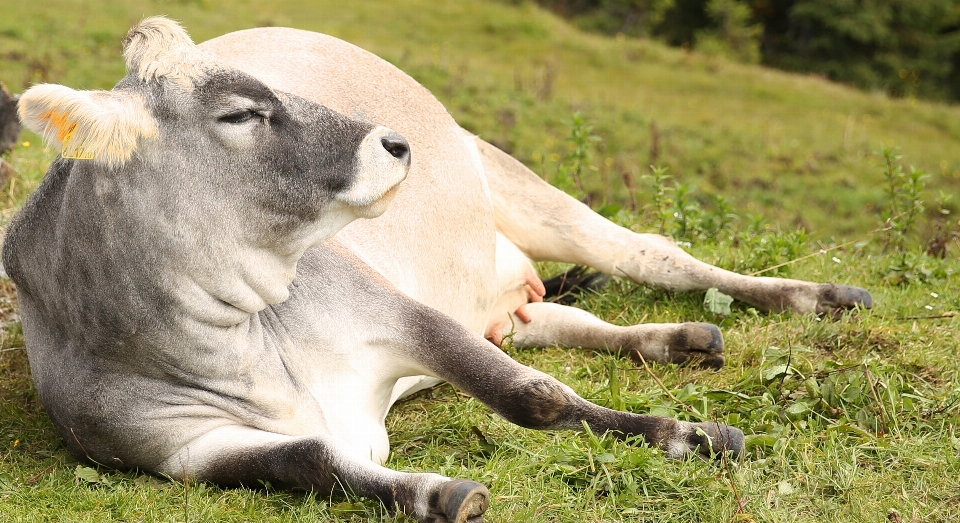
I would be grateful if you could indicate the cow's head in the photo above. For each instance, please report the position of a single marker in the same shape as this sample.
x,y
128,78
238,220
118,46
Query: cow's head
x,y
212,157
181,117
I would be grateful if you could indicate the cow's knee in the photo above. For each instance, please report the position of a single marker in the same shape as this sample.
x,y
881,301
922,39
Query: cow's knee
x,y
539,403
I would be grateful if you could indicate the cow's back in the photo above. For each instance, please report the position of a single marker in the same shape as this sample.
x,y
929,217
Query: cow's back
x,y
441,222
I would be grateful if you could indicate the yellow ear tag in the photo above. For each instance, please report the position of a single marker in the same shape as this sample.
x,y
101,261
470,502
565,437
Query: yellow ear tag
x,y
76,153
66,129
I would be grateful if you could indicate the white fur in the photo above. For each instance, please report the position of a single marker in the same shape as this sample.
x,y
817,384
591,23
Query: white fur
x,y
96,125
378,174
158,47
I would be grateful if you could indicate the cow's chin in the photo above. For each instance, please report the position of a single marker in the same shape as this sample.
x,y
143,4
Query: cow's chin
x,y
379,206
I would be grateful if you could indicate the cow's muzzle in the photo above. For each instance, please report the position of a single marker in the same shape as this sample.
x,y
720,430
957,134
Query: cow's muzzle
x,y
383,160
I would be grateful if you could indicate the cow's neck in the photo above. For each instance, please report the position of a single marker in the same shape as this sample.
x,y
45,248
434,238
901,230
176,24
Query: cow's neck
x,y
217,270
117,265
174,264
226,288
221,278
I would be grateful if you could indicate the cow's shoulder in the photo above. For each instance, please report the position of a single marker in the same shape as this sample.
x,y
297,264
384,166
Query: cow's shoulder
x,y
32,230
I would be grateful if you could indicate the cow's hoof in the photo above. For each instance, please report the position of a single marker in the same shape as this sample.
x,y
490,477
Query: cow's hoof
x,y
698,344
463,501
833,299
716,440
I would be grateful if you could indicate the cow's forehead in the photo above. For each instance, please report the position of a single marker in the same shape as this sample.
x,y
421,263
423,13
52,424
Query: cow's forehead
x,y
160,48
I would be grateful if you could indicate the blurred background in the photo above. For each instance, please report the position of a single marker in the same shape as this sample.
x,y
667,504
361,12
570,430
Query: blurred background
x,y
904,48
764,115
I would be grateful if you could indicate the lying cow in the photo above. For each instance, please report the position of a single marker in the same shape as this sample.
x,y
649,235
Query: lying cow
x,y
191,309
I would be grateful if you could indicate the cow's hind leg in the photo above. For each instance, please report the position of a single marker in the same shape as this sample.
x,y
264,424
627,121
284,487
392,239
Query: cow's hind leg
x,y
554,324
243,456
547,224
521,314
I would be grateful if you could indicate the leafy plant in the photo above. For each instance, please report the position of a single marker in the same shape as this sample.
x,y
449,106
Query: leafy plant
x,y
662,201
577,158
686,212
717,221
765,248
904,193
717,302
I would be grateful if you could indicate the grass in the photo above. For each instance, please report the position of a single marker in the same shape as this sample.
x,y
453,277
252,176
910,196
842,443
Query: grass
x,y
854,420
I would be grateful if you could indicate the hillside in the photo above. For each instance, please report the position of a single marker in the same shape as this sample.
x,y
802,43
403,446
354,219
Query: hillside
x,y
796,149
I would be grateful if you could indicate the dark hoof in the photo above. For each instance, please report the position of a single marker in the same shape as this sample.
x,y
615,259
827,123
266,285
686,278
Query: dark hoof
x,y
715,440
463,501
833,299
699,344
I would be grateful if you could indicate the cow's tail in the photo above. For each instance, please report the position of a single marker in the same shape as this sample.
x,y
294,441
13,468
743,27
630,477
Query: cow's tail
x,y
567,286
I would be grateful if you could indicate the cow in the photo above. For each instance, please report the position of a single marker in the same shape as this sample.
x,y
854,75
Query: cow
x,y
249,249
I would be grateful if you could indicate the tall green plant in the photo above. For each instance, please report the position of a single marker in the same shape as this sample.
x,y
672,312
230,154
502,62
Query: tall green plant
x,y
662,201
577,158
904,191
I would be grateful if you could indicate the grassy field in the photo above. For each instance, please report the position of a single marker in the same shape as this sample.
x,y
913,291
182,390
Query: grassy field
x,y
854,420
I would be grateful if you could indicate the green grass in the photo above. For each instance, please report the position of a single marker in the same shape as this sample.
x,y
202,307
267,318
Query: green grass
x,y
848,420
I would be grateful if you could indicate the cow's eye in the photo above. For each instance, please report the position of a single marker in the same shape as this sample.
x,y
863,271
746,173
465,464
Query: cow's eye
x,y
241,116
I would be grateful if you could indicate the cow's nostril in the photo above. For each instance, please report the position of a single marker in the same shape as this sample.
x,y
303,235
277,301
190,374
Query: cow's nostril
x,y
397,146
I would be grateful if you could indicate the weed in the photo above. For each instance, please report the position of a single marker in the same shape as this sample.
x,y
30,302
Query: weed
x,y
576,160
718,220
904,192
662,201
901,217
686,212
915,266
768,249
681,216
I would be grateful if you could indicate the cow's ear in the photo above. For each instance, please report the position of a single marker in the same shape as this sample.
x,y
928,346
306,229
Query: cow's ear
x,y
100,126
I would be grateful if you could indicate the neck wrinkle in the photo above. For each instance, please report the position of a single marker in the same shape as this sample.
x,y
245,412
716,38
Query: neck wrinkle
x,y
225,296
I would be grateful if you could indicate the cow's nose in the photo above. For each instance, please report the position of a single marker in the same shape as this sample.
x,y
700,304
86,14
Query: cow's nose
x,y
397,146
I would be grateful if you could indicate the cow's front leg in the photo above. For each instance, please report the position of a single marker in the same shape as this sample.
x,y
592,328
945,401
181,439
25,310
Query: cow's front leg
x,y
547,224
532,399
243,456
545,324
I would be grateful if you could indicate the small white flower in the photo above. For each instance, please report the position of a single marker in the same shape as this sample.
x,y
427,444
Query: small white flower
x,y
835,259
935,295
928,307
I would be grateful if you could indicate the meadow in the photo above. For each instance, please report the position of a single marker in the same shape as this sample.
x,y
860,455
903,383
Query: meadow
x,y
852,419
